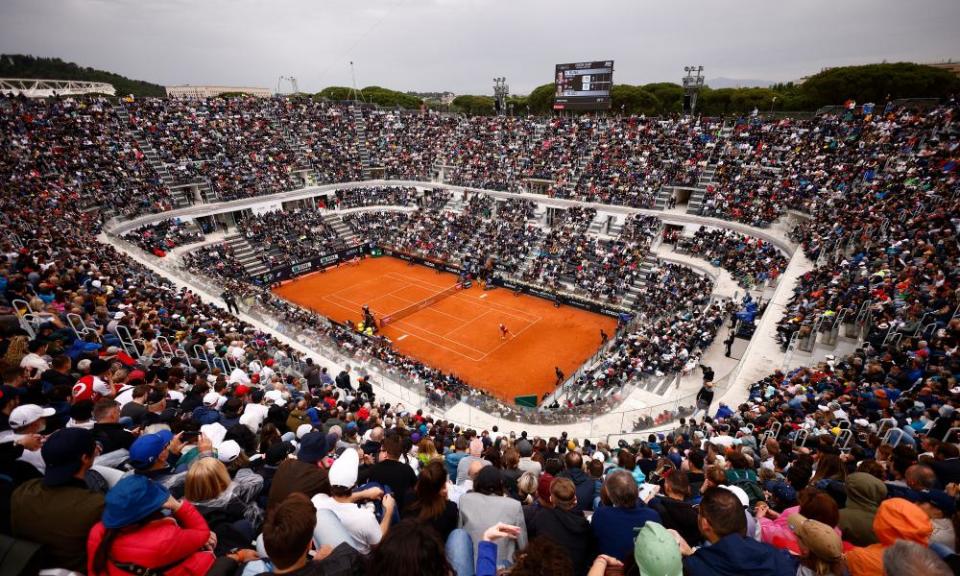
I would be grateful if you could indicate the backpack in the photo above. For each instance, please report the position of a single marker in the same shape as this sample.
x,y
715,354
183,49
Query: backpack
x,y
751,487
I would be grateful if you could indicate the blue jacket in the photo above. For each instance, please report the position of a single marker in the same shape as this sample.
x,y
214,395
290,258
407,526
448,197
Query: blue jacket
x,y
486,559
735,555
451,461
586,488
206,415
614,528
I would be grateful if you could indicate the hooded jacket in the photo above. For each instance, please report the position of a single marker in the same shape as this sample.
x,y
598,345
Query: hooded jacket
x,y
864,495
585,486
158,543
568,529
896,519
206,415
678,515
736,555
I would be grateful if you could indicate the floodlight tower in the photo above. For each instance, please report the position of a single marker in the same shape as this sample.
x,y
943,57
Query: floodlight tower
x,y
355,93
500,93
691,87
293,84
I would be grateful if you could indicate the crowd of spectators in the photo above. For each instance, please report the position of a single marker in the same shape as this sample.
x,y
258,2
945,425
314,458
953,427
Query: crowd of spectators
x,y
408,146
73,149
288,236
634,157
751,261
161,237
889,247
232,143
169,436
376,196
601,268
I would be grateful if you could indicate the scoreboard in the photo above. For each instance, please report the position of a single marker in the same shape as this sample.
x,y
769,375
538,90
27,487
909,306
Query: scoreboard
x,y
583,86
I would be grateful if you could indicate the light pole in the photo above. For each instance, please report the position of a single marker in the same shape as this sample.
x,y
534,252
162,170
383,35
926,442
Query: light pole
x,y
500,92
691,87
772,102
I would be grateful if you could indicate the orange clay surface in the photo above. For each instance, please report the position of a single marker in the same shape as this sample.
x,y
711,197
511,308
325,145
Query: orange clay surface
x,y
459,334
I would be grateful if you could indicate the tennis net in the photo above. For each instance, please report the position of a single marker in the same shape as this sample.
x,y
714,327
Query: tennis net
x,y
404,312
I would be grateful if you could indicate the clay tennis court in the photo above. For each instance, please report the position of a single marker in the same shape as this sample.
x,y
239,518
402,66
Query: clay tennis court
x,y
460,333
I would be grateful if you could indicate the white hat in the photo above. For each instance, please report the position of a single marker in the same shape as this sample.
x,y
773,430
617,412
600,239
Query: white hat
x,y
740,494
303,429
228,451
118,316
211,398
215,432
27,414
276,397
345,469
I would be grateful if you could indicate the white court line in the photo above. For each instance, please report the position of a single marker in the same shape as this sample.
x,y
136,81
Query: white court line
x,y
467,323
510,311
417,283
447,348
432,333
517,335
329,297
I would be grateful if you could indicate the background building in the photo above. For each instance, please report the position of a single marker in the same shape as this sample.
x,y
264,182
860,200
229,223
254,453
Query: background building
x,y
211,91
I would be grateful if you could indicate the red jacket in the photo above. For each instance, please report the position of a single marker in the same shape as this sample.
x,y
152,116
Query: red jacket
x,y
158,543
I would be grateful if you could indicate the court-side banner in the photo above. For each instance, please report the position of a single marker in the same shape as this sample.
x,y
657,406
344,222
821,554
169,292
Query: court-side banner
x,y
587,305
428,262
307,266
497,281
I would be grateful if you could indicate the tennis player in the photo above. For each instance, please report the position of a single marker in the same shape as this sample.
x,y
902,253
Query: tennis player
x,y
504,332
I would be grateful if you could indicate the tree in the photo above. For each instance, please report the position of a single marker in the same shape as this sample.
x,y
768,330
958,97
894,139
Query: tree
x,y
669,94
24,66
373,94
541,99
474,105
335,93
876,82
633,100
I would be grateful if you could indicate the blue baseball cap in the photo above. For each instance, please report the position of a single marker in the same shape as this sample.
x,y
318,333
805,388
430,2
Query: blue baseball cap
x,y
313,447
132,499
146,449
782,491
939,499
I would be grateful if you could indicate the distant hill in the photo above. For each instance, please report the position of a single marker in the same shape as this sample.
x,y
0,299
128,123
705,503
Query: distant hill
x,y
23,66
738,83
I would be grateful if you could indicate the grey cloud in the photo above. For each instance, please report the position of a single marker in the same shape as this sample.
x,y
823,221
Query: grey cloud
x,y
460,45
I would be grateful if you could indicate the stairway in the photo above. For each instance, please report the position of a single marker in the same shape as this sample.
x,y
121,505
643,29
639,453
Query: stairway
x,y
360,125
246,255
695,204
707,179
302,151
663,198
207,193
349,237
583,161
708,175
180,196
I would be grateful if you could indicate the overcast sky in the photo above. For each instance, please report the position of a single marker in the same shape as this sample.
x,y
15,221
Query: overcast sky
x,y
460,45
